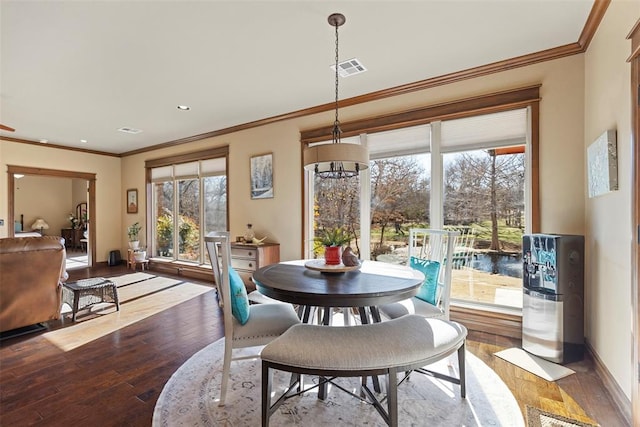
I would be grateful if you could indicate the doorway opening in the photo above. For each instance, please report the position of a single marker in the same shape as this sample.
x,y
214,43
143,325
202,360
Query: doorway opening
x,y
82,224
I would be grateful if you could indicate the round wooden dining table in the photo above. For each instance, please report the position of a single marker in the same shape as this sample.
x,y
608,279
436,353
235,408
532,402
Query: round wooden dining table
x,y
373,284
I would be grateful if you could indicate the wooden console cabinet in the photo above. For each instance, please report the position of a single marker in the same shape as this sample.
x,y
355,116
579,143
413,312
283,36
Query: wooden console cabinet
x,y
247,258
72,237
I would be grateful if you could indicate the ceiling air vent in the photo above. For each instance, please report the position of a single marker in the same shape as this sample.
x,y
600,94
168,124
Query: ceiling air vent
x,y
129,130
349,67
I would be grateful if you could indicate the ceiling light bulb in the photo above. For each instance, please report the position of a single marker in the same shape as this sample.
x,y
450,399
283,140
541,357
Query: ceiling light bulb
x,y
84,141
44,141
184,107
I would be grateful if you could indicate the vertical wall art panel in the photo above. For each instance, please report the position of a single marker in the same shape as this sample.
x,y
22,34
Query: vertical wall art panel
x,y
602,164
262,176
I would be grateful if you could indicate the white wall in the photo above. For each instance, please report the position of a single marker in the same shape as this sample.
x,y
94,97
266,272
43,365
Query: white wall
x,y
46,198
609,233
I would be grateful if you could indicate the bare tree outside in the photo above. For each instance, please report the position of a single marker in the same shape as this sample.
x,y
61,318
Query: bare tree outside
x,y
481,185
398,195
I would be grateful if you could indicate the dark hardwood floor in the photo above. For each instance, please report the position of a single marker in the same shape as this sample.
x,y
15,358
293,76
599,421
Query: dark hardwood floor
x,y
114,379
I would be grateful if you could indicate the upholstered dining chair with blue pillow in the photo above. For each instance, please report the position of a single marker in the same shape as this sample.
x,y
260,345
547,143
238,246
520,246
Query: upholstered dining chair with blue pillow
x,y
431,252
244,325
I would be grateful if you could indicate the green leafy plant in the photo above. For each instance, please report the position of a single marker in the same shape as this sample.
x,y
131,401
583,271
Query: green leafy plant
x,y
133,230
164,234
334,237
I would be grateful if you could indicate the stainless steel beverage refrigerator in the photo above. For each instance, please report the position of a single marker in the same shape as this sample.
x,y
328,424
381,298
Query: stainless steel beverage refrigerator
x,y
553,301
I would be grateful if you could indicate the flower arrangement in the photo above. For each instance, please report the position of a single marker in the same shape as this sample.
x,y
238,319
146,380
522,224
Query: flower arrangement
x,y
73,220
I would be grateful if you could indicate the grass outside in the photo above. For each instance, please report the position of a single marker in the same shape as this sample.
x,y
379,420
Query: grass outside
x,y
510,237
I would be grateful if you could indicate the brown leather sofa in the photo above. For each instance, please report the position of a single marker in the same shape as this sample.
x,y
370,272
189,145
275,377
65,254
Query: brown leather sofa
x,y
32,270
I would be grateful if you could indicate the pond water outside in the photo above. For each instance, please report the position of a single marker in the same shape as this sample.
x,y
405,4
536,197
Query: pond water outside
x,y
507,265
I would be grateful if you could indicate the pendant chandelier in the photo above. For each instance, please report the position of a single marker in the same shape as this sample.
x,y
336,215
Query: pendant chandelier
x,y
336,160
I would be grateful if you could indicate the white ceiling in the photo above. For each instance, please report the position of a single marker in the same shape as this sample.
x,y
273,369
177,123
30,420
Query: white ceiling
x,y
72,70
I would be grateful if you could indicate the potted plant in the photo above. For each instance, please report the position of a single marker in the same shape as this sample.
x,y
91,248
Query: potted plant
x,y
140,254
132,231
333,239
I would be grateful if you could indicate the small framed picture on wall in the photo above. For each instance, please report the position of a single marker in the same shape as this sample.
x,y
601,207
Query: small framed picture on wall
x,y
262,176
132,200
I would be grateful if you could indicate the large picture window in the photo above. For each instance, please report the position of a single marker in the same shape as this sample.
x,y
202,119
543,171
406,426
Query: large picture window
x,y
189,199
469,174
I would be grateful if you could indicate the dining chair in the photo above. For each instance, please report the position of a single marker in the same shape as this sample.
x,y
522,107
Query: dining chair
x,y
251,325
432,252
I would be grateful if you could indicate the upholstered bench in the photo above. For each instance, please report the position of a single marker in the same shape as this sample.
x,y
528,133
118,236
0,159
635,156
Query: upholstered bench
x,y
386,348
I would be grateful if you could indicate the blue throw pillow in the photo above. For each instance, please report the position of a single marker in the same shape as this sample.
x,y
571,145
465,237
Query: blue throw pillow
x,y
239,299
431,270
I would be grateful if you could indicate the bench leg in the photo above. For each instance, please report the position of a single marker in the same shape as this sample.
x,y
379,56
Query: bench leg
x,y
461,367
392,397
267,378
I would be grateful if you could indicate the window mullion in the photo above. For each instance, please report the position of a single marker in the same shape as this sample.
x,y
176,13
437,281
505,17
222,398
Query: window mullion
x,y
201,203
309,206
436,216
365,208
528,197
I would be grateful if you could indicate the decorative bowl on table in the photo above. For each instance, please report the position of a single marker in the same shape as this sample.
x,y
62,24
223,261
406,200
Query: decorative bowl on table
x,y
322,266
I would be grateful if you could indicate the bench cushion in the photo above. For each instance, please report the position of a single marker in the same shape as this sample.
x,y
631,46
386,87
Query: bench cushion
x,y
411,306
400,342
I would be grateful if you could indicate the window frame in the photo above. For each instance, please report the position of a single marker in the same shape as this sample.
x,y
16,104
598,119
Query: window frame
x,y
203,155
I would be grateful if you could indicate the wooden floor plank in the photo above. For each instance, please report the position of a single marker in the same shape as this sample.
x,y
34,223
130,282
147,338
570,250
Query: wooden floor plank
x,y
110,369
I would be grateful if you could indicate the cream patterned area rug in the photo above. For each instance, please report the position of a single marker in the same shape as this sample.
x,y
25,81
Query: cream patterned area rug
x,y
190,398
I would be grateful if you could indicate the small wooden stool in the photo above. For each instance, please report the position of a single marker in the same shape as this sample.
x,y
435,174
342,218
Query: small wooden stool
x,y
132,262
144,264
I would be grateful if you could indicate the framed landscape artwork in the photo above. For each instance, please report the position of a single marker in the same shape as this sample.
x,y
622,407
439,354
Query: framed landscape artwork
x,y
262,176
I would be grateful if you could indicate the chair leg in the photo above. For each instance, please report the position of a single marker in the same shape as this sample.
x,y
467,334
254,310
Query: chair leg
x,y
226,367
461,368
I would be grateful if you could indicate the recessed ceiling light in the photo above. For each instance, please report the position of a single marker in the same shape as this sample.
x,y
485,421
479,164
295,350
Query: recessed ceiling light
x,y
184,107
44,141
129,130
84,141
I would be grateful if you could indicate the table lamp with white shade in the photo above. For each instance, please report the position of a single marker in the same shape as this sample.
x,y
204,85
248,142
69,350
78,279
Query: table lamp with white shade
x,y
40,224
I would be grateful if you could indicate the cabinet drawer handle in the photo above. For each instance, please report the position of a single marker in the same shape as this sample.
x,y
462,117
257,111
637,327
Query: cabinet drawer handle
x,y
250,265
250,253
